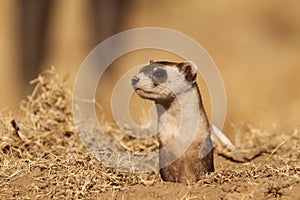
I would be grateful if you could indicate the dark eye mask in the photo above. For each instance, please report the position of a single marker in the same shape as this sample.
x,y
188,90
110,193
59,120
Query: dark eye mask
x,y
159,76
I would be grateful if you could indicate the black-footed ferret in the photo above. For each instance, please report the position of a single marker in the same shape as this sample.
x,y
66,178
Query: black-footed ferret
x,y
173,88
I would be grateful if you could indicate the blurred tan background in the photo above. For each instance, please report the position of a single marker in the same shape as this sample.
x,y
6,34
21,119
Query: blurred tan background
x,y
255,44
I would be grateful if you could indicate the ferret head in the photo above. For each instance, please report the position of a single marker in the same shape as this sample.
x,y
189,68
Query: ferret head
x,y
164,80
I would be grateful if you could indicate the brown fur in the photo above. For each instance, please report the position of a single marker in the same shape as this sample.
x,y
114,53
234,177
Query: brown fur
x,y
197,160
189,167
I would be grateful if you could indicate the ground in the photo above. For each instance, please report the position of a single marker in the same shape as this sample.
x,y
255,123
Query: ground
x,y
42,157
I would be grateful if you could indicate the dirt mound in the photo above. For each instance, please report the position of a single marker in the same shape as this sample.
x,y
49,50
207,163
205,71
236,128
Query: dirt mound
x,y
42,157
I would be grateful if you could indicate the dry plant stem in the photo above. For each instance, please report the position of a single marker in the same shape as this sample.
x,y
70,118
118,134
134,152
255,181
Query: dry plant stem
x,y
284,141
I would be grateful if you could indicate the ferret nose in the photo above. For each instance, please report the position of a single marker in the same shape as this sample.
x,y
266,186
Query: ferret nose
x,y
134,80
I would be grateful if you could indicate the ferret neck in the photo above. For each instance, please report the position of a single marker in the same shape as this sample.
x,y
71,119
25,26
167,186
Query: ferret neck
x,y
180,115
185,103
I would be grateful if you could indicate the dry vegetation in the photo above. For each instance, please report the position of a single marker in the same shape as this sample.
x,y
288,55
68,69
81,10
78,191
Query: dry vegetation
x,y
256,46
42,157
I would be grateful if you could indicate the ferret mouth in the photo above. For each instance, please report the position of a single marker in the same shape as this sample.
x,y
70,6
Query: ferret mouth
x,y
141,91
146,94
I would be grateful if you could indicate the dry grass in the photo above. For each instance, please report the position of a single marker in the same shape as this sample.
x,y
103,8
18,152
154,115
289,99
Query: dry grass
x,y
46,159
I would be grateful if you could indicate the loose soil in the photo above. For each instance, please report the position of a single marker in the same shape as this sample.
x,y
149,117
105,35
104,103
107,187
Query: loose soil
x,y
42,157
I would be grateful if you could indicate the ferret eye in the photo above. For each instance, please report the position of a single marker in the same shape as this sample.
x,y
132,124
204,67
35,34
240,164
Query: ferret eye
x,y
159,75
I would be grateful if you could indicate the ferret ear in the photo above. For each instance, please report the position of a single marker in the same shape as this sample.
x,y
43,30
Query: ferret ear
x,y
189,69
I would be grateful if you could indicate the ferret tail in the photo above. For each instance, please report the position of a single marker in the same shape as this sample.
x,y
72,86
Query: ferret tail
x,y
220,135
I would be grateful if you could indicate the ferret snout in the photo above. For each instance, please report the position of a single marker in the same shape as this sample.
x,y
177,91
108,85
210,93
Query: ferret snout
x,y
134,81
